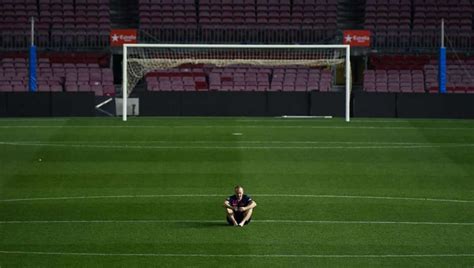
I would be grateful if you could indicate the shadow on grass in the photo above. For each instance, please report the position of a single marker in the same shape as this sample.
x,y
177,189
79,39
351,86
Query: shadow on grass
x,y
204,225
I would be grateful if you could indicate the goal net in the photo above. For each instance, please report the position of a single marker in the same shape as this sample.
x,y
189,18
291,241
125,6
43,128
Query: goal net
x,y
140,59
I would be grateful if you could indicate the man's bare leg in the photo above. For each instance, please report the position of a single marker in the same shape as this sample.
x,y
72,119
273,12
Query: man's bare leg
x,y
247,215
230,215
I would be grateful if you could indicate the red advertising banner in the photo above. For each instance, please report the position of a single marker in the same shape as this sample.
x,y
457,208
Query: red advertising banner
x,y
357,38
118,37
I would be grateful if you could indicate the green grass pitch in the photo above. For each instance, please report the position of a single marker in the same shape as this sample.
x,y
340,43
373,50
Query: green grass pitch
x,y
99,192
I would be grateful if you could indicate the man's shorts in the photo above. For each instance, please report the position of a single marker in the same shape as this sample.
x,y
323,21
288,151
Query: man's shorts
x,y
238,217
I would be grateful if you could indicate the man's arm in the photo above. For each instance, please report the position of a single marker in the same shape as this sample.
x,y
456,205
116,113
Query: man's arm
x,y
227,205
250,206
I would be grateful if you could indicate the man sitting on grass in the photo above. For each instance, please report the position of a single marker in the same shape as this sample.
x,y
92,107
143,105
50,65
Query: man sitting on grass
x,y
239,207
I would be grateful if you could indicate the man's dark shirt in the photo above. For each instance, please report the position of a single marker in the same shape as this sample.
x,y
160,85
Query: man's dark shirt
x,y
233,201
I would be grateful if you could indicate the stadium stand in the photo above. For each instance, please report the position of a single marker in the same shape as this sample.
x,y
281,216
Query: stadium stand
x,y
186,79
217,21
389,21
419,74
460,76
86,24
395,81
59,23
58,73
240,78
416,24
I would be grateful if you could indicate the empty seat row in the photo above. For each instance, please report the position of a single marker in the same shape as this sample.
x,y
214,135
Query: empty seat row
x,y
459,79
81,18
406,23
242,79
57,75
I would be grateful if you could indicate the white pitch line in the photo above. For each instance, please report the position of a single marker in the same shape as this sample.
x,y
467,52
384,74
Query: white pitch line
x,y
365,222
236,255
223,196
369,197
239,126
359,120
169,147
17,120
223,222
110,197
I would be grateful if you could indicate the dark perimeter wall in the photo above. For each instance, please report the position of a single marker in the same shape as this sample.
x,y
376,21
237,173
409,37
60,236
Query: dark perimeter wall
x,y
42,104
409,105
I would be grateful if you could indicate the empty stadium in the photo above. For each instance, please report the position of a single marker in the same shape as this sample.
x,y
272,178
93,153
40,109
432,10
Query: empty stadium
x,y
124,125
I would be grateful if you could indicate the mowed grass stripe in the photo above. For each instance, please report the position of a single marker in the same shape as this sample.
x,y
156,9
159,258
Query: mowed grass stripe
x,y
188,233
241,141
236,255
256,238
236,146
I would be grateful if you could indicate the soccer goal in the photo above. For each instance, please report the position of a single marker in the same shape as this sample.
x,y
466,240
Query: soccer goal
x,y
140,59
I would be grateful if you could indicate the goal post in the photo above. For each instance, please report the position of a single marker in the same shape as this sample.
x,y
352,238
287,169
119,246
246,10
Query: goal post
x,y
139,59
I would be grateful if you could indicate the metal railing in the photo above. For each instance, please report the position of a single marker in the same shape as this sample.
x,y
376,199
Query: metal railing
x,y
416,41
19,40
426,41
